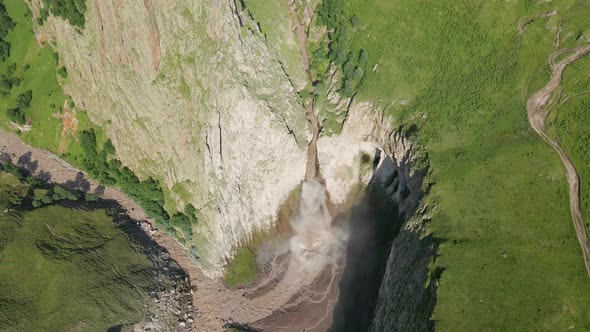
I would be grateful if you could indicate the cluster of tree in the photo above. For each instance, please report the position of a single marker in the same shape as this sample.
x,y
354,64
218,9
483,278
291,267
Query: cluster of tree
x,y
6,24
8,80
9,167
38,195
56,194
70,10
17,114
338,49
101,165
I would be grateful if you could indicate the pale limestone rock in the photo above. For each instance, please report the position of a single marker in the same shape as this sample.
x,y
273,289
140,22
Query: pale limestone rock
x,y
190,94
365,131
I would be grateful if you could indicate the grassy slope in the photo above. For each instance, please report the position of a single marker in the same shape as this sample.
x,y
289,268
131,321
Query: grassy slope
x,y
42,80
242,268
62,266
572,125
510,253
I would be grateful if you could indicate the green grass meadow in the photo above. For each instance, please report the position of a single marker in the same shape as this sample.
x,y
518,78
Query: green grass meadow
x,y
42,80
65,269
462,72
242,268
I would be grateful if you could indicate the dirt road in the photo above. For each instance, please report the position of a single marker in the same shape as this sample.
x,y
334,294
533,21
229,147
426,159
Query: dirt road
x,y
537,114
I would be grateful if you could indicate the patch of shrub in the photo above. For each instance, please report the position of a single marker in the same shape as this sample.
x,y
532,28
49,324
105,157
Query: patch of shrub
x,y
90,197
16,115
6,24
61,193
147,193
341,29
9,167
24,99
70,10
63,72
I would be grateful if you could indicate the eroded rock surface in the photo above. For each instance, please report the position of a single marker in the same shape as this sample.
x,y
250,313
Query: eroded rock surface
x,y
190,94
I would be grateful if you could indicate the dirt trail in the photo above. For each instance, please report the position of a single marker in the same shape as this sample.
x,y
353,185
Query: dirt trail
x,y
312,167
537,114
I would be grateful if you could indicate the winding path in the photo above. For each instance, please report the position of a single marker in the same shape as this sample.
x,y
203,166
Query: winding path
x,y
537,114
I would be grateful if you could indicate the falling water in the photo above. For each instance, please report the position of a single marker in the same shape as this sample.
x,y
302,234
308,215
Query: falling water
x,y
316,243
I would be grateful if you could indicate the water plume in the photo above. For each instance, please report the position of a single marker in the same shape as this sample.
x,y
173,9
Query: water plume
x,y
316,242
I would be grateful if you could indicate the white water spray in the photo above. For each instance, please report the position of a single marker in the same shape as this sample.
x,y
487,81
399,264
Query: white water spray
x,y
316,242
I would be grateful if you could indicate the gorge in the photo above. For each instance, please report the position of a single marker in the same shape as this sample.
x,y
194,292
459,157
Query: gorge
x,y
311,165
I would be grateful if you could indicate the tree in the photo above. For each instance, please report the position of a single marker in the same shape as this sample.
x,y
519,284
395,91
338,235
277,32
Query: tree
x,y
108,147
24,99
61,193
88,143
363,58
6,24
358,74
4,50
63,72
16,115
5,87
43,13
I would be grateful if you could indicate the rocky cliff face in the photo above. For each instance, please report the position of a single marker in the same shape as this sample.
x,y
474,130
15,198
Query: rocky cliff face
x,y
190,93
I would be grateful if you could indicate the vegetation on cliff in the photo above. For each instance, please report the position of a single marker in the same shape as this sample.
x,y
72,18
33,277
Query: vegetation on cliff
x,y
242,268
341,26
71,10
101,165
